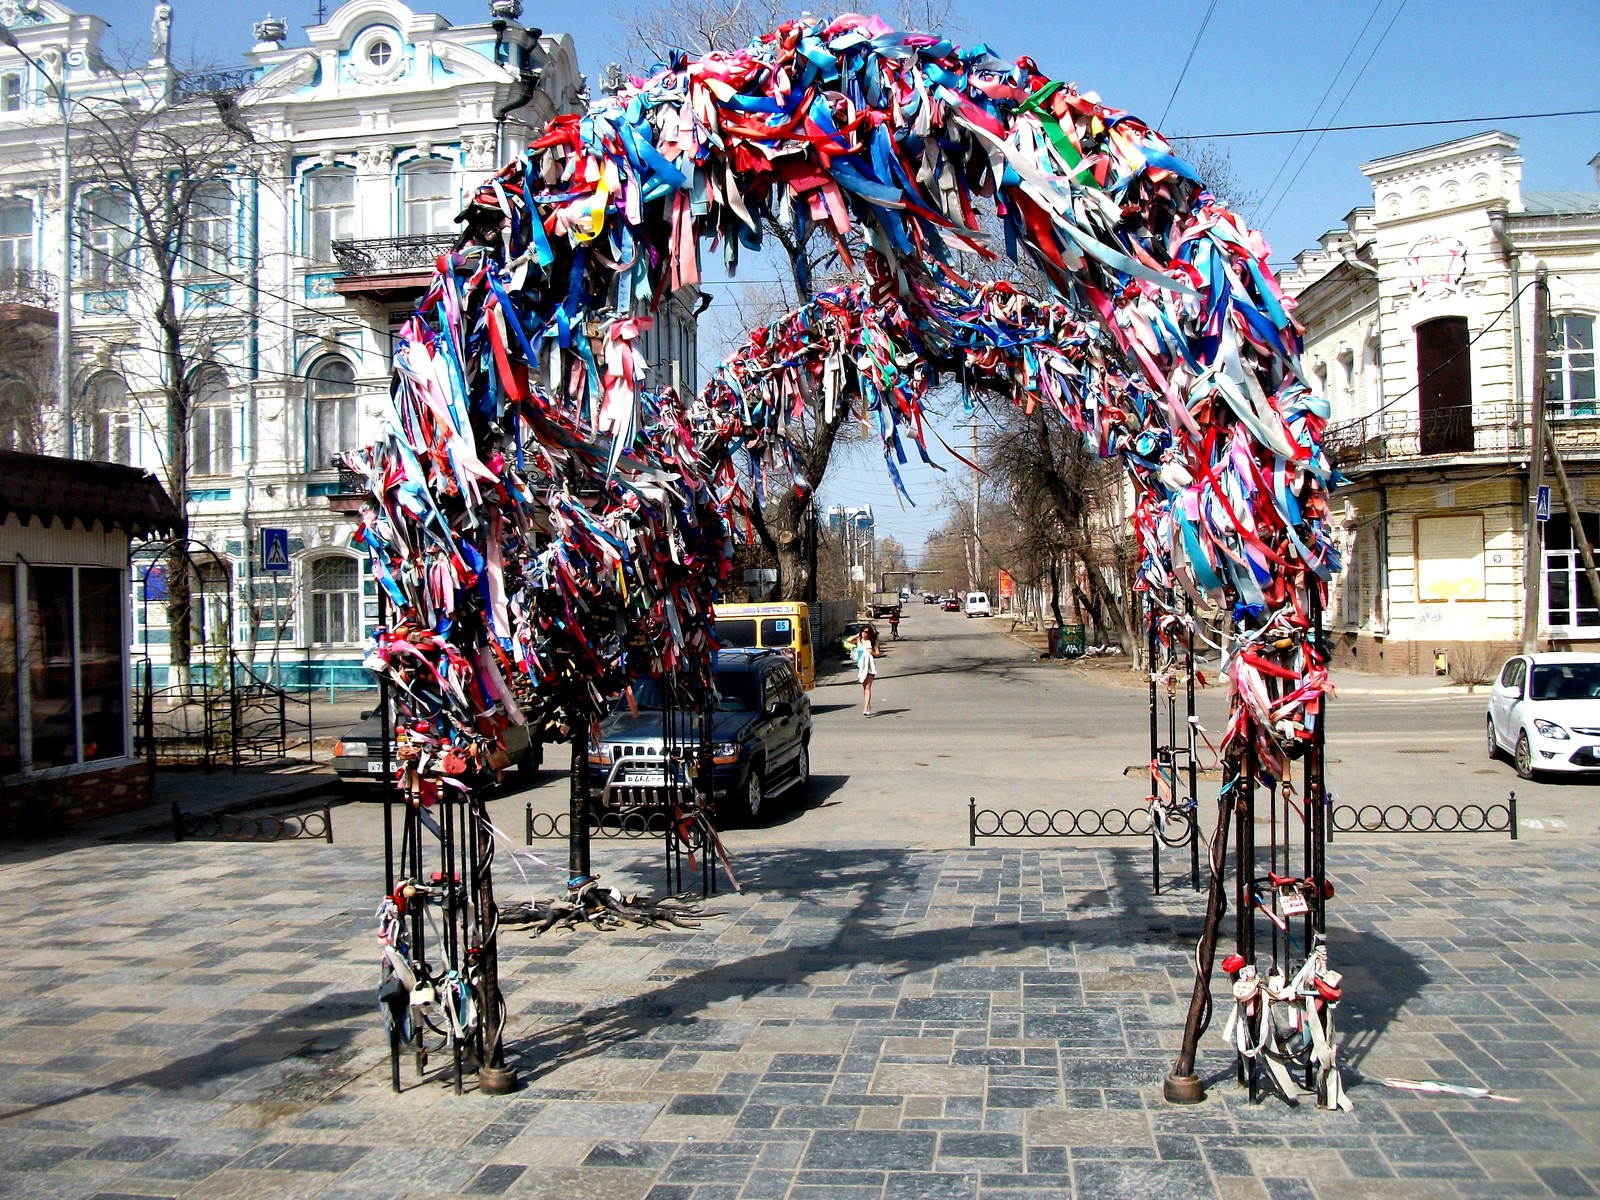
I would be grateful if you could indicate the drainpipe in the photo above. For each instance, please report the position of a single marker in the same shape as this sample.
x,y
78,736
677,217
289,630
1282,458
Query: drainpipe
x,y
252,227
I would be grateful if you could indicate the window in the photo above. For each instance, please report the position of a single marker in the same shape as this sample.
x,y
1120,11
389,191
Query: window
x,y
1444,386
1449,557
107,239
211,614
210,425
20,411
734,632
103,694
16,239
210,235
1569,389
335,600
1510,672
51,667
332,390
380,53
1568,601
428,202
10,710
11,92
330,211
109,421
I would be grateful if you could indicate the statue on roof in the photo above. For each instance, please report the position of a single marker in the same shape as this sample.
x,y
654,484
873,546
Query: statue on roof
x,y
161,34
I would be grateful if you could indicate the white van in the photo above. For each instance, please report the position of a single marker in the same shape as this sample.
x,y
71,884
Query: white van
x,y
977,605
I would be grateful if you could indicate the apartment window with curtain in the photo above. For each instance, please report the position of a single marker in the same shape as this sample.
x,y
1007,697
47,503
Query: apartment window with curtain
x,y
109,427
16,239
332,388
428,201
1569,382
210,424
335,586
107,253
330,211
209,249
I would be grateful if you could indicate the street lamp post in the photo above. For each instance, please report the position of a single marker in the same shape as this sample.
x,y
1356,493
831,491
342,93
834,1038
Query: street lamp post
x,y
64,285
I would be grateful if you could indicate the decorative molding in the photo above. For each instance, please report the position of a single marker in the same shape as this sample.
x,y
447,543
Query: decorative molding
x,y
479,151
374,160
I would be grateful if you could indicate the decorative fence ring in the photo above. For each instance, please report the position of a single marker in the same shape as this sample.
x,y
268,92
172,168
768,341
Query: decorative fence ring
x,y
1424,818
1047,818
1404,818
1479,821
1439,818
1068,823
1021,828
1503,821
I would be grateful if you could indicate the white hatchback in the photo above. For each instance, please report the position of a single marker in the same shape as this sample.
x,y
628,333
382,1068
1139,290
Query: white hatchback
x,y
1545,710
977,604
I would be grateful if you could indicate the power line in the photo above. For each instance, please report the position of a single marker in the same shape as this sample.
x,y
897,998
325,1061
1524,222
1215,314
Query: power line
x,y
1193,46
1527,116
1378,45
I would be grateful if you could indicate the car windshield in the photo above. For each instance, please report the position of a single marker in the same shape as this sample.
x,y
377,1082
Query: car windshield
x,y
736,689
1565,681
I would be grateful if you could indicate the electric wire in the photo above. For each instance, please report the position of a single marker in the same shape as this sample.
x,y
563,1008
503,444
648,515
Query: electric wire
x,y
1193,46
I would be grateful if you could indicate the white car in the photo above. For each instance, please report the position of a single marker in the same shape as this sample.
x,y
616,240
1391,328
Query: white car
x,y
1544,710
977,605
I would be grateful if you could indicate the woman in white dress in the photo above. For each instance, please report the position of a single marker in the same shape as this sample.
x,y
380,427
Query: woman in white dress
x,y
864,646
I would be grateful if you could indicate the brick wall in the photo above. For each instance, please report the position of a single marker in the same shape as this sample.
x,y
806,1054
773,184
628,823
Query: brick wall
x,y
1377,656
44,806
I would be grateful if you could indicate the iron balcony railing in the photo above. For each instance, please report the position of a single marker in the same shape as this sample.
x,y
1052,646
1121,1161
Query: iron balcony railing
x,y
231,80
21,285
380,256
1400,435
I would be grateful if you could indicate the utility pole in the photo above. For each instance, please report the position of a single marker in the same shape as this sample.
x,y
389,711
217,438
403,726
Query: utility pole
x,y
1533,529
977,546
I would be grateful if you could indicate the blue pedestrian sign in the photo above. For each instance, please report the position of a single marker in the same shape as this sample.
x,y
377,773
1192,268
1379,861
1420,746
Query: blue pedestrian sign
x,y
1541,507
274,549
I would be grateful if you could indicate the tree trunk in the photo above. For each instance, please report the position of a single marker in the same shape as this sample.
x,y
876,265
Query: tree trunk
x,y
180,601
1055,590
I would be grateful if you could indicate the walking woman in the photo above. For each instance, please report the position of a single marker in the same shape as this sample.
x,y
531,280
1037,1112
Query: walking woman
x,y
865,648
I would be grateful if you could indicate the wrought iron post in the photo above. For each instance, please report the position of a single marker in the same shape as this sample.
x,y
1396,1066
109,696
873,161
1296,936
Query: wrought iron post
x,y
578,806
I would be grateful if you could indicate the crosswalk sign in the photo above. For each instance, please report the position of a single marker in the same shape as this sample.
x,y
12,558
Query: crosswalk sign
x,y
274,549
1541,507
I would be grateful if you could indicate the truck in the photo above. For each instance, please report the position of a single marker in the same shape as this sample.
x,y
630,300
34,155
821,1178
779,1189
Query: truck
x,y
884,603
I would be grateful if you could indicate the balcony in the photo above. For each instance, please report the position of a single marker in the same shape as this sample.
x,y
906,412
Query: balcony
x,y
345,496
27,294
391,268
229,82
1399,436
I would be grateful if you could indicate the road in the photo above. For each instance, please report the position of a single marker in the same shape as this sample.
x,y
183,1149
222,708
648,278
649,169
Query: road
x,y
964,710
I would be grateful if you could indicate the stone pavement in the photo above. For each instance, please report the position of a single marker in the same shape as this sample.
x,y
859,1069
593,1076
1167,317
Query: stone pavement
x,y
199,1021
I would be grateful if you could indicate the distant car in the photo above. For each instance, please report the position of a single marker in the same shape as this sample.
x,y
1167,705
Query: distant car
x,y
762,732
1544,709
358,754
951,604
929,598
977,605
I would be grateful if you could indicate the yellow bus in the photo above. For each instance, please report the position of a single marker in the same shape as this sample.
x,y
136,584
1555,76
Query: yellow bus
x,y
775,626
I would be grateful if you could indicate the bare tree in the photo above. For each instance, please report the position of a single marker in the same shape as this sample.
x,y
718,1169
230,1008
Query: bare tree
x,y
1215,166
154,215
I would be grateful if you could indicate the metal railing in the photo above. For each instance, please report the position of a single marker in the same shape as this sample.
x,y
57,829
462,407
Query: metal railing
x,y
21,285
1425,818
229,827
377,256
210,83
1398,435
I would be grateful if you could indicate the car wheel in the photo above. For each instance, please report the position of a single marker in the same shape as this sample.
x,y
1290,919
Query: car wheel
x,y
802,771
755,794
1524,758
1494,742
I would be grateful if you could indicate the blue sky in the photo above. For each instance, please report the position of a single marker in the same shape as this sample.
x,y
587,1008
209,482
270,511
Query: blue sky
x,y
1262,64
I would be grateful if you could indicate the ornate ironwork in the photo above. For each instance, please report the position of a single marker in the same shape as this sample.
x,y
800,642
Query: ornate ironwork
x,y
1068,823
1424,818
225,827
637,823
1398,435
231,80
378,256
22,286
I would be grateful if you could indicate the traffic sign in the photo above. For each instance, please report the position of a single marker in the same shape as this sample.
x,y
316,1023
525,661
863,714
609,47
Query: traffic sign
x,y
1541,507
274,549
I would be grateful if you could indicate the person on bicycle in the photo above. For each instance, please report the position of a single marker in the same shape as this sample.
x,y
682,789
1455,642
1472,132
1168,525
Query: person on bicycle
x,y
894,623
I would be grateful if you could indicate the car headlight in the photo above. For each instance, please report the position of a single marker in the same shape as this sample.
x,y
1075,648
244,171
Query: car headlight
x,y
600,756
724,753
352,749
1550,729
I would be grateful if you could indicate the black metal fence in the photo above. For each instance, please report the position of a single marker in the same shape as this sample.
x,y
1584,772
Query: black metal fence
x,y
1425,818
638,823
372,256
228,827
1173,829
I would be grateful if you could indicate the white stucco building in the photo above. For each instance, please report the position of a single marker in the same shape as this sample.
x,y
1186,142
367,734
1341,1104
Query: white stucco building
x,y
1419,317
368,132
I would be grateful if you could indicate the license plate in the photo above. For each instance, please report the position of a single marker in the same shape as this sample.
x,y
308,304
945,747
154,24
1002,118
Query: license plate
x,y
650,779
375,768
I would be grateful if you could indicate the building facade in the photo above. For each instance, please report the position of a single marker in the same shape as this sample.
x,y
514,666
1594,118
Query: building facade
x,y
1420,328
296,267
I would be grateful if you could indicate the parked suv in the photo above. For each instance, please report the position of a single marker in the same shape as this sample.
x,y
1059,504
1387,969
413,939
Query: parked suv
x,y
761,729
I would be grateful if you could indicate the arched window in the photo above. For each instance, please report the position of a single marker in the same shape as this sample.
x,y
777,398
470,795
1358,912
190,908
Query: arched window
x,y
16,241
428,201
210,424
1569,382
330,211
210,234
106,433
332,395
211,613
107,256
334,584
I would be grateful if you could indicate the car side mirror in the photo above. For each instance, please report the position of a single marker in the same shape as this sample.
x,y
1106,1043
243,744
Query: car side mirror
x,y
780,710
1516,691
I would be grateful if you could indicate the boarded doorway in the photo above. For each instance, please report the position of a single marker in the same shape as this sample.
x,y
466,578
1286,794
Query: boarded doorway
x,y
1444,390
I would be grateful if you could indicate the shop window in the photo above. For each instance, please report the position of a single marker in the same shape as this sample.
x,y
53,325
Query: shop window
x,y
1569,602
10,709
335,600
1569,383
332,388
101,688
